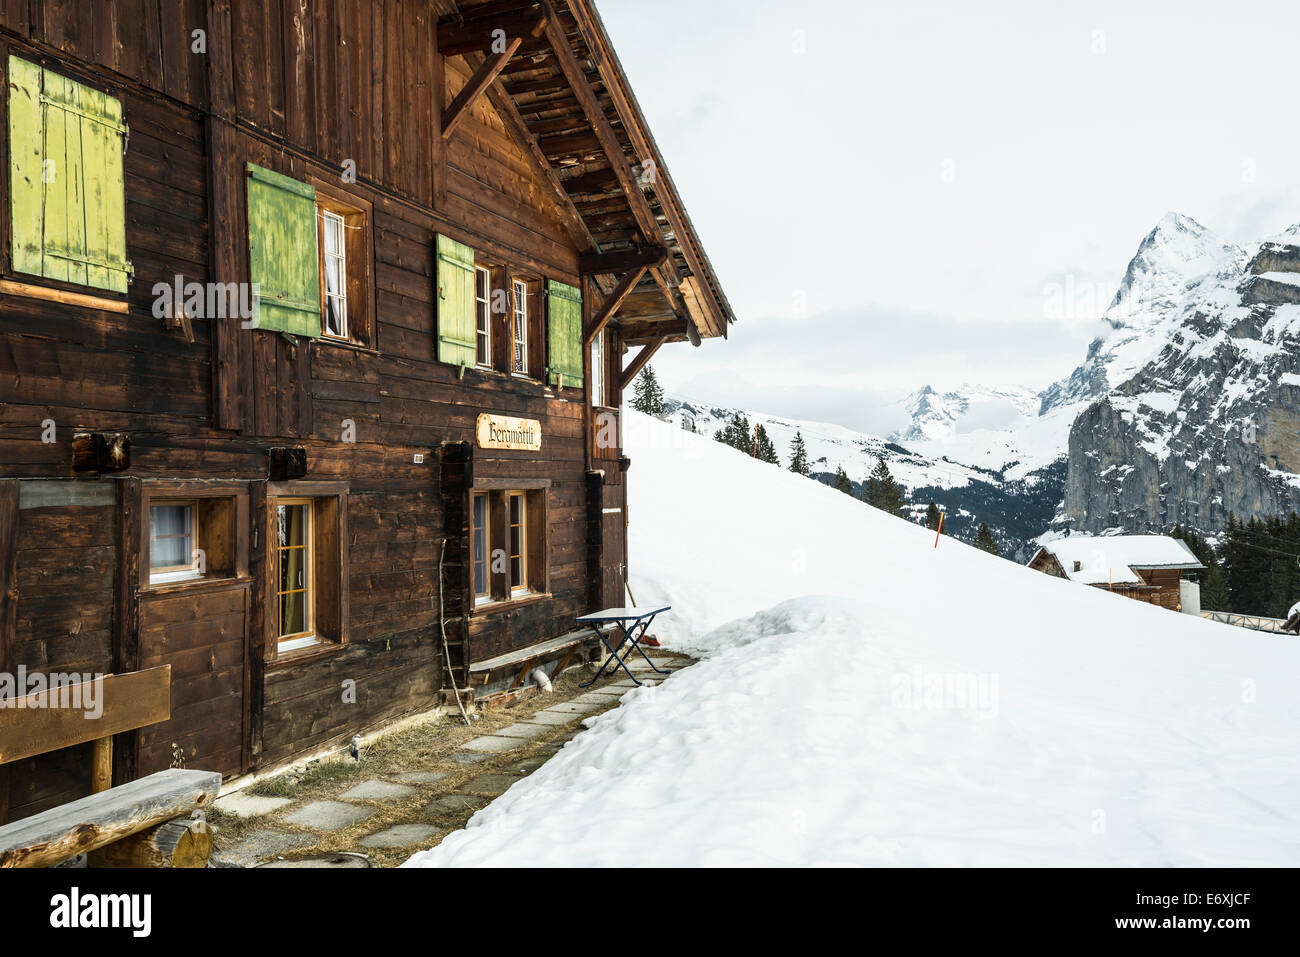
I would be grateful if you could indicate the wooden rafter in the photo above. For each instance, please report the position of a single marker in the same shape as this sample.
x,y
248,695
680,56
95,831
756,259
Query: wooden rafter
x,y
479,34
638,363
478,84
615,299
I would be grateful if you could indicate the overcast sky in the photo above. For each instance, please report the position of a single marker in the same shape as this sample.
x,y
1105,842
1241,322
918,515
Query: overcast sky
x,y
896,194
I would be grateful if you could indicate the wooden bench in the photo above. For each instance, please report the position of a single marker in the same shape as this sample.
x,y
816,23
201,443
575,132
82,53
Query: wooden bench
x,y
126,826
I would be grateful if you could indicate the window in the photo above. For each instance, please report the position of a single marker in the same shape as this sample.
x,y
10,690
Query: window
x,y
345,264
67,196
521,328
335,268
483,316
482,549
518,544
294,577
173,550
308,564
598,370
508,545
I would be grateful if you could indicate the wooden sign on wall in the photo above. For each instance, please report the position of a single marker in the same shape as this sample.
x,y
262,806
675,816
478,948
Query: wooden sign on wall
x,y
504,432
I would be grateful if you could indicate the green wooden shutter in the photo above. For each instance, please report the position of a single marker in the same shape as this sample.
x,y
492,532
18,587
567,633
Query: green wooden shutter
x,y
564,318
457,329
67,193
282,253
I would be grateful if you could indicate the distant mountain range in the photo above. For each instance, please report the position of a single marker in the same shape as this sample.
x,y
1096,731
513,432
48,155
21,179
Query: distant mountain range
x,y
1186,409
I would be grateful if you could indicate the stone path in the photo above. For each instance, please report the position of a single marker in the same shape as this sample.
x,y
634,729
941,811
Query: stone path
x,y
413,787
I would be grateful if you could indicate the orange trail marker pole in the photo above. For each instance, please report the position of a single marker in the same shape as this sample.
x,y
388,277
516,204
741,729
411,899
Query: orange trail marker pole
x,y
939,531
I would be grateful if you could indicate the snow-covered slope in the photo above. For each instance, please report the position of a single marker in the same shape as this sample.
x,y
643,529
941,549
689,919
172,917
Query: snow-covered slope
x,y
1011,477
867,699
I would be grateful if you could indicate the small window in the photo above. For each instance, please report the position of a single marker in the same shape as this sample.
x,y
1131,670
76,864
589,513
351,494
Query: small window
x,y
295,558
508,545
598,370
345,261
173,546
521,328
518,544
335,267
482,549
483,316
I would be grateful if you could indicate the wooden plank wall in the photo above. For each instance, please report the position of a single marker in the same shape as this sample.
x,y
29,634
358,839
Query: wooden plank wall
x,y
314,85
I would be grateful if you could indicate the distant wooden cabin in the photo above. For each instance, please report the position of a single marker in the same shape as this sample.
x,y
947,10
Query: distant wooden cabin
x,y
466,245
1148,568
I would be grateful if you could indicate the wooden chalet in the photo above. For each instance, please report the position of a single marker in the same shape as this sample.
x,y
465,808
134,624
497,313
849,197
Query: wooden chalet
x,y
396,471
1148,568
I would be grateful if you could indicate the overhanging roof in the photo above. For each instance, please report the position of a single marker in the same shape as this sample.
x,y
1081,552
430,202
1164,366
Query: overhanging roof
x,y
564,92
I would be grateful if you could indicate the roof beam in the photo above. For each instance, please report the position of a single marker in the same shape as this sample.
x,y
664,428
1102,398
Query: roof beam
x,y
485,34
639,362
598,264
615,299
478,84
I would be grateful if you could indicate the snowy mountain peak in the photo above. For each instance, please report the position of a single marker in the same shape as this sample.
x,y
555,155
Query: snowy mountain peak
x,y
937,416
1179,252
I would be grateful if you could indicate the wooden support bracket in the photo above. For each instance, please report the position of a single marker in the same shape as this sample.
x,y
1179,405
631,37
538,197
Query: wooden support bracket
x,y
645,355
620,293
478,84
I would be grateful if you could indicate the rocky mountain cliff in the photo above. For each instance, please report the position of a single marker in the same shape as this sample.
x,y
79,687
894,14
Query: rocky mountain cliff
x,y
1189,407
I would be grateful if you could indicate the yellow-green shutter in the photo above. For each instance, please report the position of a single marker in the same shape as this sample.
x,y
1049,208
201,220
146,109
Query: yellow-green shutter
x,y
457,329
564,321
67,192
282,253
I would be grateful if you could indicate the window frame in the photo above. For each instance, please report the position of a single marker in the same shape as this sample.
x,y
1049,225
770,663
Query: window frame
x,y
519,322
219,527
174,574
329,565
596,360
518,586
482,317
483,527
502,592
359,251
326,218
308,638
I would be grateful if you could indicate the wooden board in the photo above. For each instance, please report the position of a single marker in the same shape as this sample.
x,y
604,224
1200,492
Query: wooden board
x,y
503,432
131,701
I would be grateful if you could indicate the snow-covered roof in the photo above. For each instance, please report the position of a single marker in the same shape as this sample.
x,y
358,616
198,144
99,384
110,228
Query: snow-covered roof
x,y
1112,558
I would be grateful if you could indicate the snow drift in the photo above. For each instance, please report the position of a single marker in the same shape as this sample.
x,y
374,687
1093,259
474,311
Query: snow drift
x,y
867,699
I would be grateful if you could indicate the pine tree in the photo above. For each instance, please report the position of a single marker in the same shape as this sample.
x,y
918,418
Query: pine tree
x,y
648,395
932,516
799,456
736,433
883,492
842,482
764,450
984,541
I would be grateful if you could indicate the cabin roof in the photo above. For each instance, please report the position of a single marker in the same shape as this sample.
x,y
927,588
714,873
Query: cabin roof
x,y
564,92
1116,558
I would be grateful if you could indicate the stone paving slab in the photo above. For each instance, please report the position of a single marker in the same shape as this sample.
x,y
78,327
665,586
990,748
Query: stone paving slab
x,y
421,777
401,835
574,707
249,805
468,757
456,804
551,718
261,844
381,791
491,744
529,765
492,784
328,815
523,730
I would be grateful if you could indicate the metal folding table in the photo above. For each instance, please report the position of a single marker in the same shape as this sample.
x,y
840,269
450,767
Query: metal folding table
x,y
632,624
